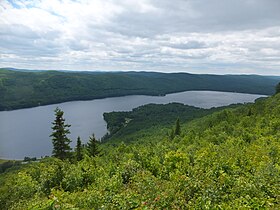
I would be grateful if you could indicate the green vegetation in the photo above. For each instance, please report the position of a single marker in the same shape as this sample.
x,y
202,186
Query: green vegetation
x,y
61,147
2,161
78,149
143,120
21,89
229,159
92,147
6,165
177,129
277,89
28,159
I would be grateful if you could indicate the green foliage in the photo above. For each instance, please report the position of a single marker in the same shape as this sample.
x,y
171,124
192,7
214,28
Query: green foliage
x,y
28,159
177,129
171,134
9,165
92,146
124,125
19,89
225,160
277,88
61,147
79,152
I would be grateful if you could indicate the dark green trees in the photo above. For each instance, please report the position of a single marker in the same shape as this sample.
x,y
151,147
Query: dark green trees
x,y
177,130
92,146
61,143
79,154
61,147
277,88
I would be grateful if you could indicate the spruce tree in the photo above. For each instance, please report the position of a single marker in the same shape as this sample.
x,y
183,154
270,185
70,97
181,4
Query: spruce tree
x,y
177,130
277,88
61,147
92,146
79,155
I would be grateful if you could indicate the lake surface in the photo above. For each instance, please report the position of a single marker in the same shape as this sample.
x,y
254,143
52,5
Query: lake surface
x,y
25,132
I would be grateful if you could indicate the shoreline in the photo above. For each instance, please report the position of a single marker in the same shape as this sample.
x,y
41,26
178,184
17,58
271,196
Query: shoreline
x,y
155,95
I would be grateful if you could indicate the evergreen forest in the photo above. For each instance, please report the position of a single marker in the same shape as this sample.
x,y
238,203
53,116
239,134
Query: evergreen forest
x,y
22,88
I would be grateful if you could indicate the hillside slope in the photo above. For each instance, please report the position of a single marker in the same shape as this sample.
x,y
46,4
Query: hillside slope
x,y
128,126
227,160
21,89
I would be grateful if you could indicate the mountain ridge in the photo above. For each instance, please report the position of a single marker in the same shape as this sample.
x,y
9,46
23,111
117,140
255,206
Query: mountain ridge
x,y
29,89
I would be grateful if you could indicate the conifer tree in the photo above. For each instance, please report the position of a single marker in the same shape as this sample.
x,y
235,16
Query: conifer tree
x,y
177,130
92,146
79,155
277,88
61,147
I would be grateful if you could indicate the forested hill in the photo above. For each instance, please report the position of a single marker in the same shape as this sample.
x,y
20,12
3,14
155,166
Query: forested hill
x,y
128,126
21,89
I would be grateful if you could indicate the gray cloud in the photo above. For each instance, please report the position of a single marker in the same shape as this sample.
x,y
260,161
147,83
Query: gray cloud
x,y
198,16
17,30
214,36
188,45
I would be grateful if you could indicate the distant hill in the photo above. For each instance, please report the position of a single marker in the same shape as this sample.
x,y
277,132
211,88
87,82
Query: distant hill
x,y
23,88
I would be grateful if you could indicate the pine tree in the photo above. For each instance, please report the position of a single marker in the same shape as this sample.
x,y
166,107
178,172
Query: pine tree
x,y
177,130
79,155
277,88
61,147
92,146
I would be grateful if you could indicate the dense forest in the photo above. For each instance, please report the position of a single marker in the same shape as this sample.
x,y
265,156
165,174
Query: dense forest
x,y
127,126
21,89
228,159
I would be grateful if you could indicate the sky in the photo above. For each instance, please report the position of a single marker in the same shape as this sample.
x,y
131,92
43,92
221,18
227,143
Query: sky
x,y
195,36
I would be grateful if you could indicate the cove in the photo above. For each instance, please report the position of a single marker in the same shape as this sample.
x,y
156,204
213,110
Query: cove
x,y
25,132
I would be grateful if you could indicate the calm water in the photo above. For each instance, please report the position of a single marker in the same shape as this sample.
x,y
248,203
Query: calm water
x,y
25,132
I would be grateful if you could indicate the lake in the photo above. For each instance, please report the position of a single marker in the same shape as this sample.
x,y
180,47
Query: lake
x,y
25,132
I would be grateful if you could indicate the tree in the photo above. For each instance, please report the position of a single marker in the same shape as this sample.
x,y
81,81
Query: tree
x,y
277,88
92,146
177,130
79,155
61,147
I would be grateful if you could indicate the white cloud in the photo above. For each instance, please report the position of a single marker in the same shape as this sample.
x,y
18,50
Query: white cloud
x,y
241,36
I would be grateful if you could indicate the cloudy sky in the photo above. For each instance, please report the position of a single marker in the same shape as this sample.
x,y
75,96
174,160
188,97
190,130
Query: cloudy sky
x,y
197,36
